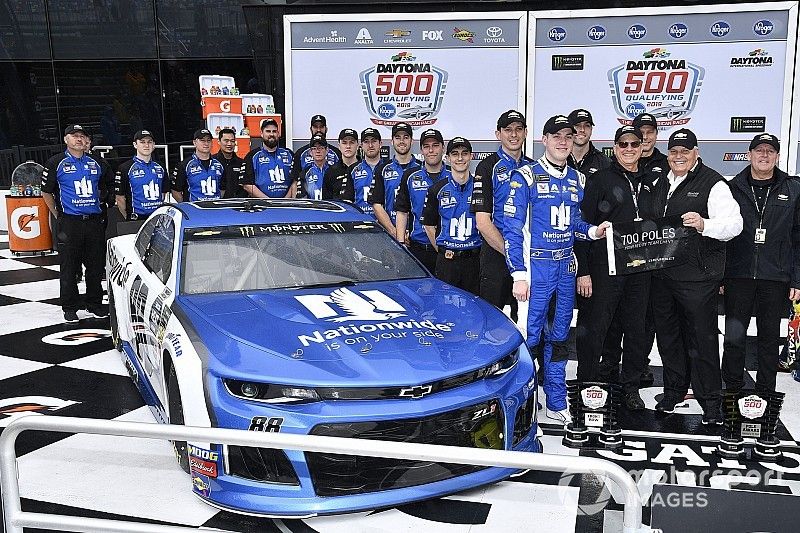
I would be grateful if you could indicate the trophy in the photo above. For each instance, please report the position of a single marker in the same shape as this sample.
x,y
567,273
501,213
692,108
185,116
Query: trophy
x,y
751,418
593,407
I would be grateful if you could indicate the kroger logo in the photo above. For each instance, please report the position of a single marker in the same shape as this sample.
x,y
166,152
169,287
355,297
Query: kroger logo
x,y
763,27
637,31
386,110
678,30
720,28
596,33
557,34
634,109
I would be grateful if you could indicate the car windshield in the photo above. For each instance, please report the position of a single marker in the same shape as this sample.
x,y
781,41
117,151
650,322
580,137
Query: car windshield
x,y
292,255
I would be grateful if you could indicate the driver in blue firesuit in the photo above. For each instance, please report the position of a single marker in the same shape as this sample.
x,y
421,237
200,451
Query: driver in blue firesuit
x,y
542,219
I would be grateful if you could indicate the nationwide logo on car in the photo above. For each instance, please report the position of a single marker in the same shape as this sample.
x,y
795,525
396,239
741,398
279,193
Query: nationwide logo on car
x,y
666,87
763,27
557,34
397,36
463,35
568,62
596,33
404,89
720,29
735,156
637,31
494,34
748,124
757,58
678,30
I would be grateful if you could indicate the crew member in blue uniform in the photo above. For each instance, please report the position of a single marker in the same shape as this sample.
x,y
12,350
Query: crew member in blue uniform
x,y
336,177
388,175
360,180
267,170
447,211
312,180
303,158
73,186
411,196
542,218
198,177
140,183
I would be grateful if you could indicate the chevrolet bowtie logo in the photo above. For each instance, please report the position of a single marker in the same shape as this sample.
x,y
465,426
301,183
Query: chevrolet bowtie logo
x,y
416,392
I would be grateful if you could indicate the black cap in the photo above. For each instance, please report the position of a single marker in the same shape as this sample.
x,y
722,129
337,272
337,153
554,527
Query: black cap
x,y
370,132
226,130
348,132
141,134
682,137
458,142
556,124
765,138
76,128
627,130
431,134
319,118
199,134
317,140
269,122
645,119
581,115
401,127
509,117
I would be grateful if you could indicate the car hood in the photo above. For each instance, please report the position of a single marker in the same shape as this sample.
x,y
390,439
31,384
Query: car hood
x,y
375,333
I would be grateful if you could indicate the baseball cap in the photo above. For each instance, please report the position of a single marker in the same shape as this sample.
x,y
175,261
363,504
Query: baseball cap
x,y
765,138
141,134
199,134
581,115
401,127
348,132
75,128
317,140
269,122
509,117
319,118
431,134
557,123
627,130
370,132
458,142
682,137
645,119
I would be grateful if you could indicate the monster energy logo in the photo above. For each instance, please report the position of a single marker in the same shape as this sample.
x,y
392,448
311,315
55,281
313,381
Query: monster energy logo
x,y
568,62
748,124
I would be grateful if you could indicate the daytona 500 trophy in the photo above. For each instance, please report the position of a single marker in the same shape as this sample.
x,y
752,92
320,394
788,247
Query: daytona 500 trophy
x,y
751,416
593,407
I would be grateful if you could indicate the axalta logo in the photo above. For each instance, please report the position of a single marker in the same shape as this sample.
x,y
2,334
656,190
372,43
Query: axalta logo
x,y
678,30
363,37
596,33
763,27
25,222
720,29
637,31
557,34
11,408
756,58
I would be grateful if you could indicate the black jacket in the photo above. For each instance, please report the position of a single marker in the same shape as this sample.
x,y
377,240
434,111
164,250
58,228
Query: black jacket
x,y
656,164
778,259
234,172
592,162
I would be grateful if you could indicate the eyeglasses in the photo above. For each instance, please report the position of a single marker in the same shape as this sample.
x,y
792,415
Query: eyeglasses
x,y
632,144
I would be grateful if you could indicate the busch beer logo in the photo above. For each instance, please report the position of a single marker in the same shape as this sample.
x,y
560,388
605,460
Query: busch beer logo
x,y
752,406
404,89
594,397
25,222
667,88
369,305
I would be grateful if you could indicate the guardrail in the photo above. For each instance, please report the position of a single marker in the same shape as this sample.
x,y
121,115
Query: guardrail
x,y
15,519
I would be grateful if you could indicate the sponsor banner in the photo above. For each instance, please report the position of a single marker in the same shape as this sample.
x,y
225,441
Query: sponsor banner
x,y
748,124
647,245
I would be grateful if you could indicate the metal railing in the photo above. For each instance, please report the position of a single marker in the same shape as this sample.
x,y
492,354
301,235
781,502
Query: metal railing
x,y
15,519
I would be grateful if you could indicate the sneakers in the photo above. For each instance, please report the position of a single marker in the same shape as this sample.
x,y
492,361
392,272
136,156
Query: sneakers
x,y
562,417
712,415
98,312
70,316
667,404
633,401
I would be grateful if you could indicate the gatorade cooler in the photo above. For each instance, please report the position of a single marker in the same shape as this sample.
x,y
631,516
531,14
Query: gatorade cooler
x,y
28,216
257,107
218,94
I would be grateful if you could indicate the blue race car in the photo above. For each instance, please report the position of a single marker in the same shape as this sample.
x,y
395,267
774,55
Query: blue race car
x,y
305,317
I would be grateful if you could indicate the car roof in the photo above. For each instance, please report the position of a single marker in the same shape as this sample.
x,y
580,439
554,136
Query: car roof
x,y
247,211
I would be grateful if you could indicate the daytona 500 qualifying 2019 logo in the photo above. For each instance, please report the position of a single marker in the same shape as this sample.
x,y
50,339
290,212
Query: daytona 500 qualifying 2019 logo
x,y
403,89
666,87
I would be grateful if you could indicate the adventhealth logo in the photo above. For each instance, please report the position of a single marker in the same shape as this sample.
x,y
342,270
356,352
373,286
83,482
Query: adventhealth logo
x,y
83,188
151,191
208,186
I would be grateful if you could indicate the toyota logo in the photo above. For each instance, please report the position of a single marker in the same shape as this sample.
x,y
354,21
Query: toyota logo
x,y
494,31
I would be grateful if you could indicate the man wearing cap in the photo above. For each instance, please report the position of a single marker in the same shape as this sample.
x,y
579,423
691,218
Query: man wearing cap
x,y
267,169
652,160
388,175
612,194
312,180
199,176
447,211
334,185
411,196
684,297
491,190
73,187
585,158
360,179
141,182
233,164
763,262
542,218
303,158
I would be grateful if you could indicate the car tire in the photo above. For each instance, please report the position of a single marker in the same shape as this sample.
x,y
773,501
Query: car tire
x,y
112,318
176,418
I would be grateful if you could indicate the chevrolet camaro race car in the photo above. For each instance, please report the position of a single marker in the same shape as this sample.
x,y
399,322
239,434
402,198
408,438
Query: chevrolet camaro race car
x,y
305,317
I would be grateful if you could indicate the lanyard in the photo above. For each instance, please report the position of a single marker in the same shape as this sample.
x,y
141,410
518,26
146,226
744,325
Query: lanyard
x,y
635,195
763,208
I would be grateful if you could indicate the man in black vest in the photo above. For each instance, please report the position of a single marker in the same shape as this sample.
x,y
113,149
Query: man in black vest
x,y
684,297
763,262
